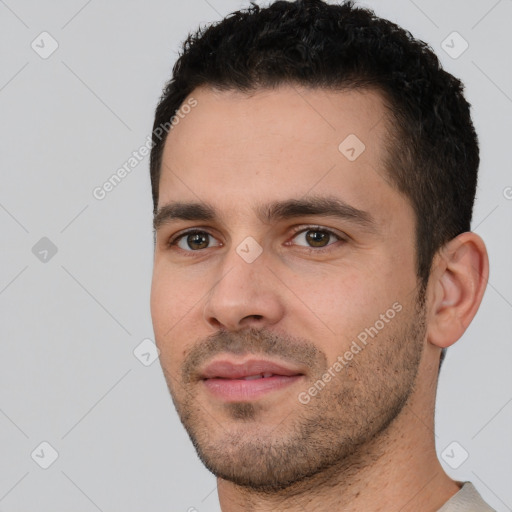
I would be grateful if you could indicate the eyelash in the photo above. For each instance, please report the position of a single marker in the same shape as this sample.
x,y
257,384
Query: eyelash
x,y
173,241
316,250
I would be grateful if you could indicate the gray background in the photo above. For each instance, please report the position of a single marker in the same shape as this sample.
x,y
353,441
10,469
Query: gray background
x,y
71,321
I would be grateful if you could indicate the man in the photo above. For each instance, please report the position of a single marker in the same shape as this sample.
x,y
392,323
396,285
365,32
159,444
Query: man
x,y
313,257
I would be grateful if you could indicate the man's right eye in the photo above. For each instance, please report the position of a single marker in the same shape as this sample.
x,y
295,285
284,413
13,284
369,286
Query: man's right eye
x,y
191,241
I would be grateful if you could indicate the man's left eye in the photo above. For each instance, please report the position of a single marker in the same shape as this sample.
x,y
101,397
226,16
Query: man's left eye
x,y
316,237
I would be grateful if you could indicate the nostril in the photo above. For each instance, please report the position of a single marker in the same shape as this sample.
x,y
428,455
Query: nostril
x,y
249,318
216,323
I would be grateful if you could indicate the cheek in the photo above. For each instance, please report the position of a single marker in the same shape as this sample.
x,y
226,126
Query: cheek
x,y
173,302
173,294
342,303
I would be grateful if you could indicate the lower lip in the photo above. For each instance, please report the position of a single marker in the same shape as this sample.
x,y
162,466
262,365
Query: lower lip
x,y
236,390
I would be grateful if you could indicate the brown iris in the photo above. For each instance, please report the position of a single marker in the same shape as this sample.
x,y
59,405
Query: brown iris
x,y
201,239
317,238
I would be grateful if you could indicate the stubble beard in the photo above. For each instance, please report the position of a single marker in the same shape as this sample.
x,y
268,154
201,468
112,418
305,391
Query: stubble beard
x,y
324,437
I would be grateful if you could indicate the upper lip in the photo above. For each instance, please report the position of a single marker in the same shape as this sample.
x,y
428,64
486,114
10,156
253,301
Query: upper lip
x,y
229,370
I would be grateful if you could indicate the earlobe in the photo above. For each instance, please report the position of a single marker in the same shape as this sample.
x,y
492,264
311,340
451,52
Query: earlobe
x,y
460,275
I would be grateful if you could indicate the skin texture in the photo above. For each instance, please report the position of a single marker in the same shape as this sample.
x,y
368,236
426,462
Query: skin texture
x,y
365,440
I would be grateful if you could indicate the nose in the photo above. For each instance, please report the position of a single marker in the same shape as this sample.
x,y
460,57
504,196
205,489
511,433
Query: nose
x,y
247,295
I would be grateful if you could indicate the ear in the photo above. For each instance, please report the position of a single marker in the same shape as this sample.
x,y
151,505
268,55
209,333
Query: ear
x,y
458,281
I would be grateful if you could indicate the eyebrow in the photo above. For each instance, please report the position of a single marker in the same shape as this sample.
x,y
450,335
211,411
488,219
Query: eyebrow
x,y
183,211
270,212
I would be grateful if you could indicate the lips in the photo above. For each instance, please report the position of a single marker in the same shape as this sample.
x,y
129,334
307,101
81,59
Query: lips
x,y
251,380
249,370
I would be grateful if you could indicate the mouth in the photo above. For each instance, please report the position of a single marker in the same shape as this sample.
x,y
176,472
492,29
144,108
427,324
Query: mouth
x,y
247,381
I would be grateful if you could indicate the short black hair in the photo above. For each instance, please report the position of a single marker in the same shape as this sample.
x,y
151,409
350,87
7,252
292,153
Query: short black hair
x,y
432,146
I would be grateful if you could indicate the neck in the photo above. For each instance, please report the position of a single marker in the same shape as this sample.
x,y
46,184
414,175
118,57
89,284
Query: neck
x,y
396,471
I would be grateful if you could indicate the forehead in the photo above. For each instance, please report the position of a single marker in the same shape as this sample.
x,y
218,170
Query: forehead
x,y
235,149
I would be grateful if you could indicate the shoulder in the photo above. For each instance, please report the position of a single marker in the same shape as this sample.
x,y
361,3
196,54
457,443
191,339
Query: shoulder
x,y
468,499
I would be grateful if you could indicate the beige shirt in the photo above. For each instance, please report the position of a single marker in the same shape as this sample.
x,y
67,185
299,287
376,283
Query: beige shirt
x,y
466,500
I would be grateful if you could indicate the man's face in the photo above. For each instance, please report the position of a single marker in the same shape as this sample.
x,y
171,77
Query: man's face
x,y
323,305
